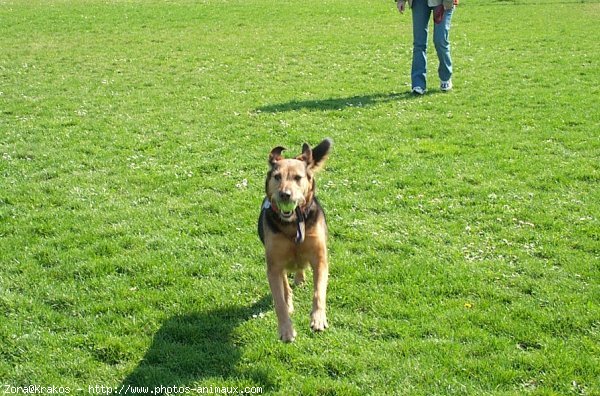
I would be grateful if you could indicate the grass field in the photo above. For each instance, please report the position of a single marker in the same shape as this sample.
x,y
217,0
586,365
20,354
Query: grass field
x,y
464,227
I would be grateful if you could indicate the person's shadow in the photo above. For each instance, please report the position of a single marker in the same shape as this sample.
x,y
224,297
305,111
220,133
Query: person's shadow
x,y
335,103
194,347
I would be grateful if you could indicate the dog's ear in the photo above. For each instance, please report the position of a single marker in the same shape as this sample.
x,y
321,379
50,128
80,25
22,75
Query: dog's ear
x,y
306,155
319,154
275,155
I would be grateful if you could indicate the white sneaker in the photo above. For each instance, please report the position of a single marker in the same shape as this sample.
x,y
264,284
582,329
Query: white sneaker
x,y
418,91
446,86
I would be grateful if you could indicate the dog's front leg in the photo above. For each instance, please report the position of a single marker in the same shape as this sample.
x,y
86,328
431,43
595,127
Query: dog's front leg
x,y
318,318
277,278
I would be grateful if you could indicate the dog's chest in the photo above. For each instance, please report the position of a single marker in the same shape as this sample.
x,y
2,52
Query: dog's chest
x,y
291,255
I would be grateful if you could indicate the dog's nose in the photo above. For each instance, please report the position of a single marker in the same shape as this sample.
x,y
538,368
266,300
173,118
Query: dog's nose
x,y
284,195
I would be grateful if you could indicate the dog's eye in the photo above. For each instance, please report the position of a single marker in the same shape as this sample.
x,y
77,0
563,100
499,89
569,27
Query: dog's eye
x,y
277,177
298,178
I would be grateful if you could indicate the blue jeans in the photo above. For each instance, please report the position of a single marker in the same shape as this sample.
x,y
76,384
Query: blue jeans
x,y
421,13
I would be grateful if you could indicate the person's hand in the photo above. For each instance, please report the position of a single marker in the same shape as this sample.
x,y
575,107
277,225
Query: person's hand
x,y
438,14
401,5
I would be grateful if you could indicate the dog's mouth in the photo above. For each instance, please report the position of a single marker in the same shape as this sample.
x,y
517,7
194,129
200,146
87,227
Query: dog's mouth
x,y
287,216
286,209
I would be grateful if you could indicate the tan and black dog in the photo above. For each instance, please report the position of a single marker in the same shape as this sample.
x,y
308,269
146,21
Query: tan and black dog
x,y
293,229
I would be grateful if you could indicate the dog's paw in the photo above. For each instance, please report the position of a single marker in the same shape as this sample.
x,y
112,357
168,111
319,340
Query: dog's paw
x,y
318,321
287,334
299,278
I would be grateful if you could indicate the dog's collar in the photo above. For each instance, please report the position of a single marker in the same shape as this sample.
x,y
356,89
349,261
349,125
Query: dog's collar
x,y
300,217
300,225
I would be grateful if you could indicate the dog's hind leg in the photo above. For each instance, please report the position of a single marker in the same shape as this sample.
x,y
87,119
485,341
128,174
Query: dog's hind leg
x,y
288,294
278,283
299,278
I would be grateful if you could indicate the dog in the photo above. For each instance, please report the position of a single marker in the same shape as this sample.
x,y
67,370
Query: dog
x,y
293,230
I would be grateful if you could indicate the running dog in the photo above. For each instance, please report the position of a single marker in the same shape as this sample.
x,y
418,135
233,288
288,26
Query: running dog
x,y
293,230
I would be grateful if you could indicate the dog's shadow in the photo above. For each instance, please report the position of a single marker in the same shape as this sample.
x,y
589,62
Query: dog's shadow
x,y
335,103
189,349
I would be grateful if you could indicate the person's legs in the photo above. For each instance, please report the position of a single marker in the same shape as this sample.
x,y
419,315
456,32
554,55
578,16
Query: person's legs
x,y
441,40
420,15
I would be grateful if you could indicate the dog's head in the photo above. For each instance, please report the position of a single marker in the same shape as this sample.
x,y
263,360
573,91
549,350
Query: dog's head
x,y
290,182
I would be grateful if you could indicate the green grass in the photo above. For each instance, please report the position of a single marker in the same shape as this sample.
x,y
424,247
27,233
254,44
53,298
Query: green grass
x,y
464,227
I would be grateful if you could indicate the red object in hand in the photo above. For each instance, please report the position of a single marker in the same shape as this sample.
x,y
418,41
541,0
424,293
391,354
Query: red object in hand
x,y
438,14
